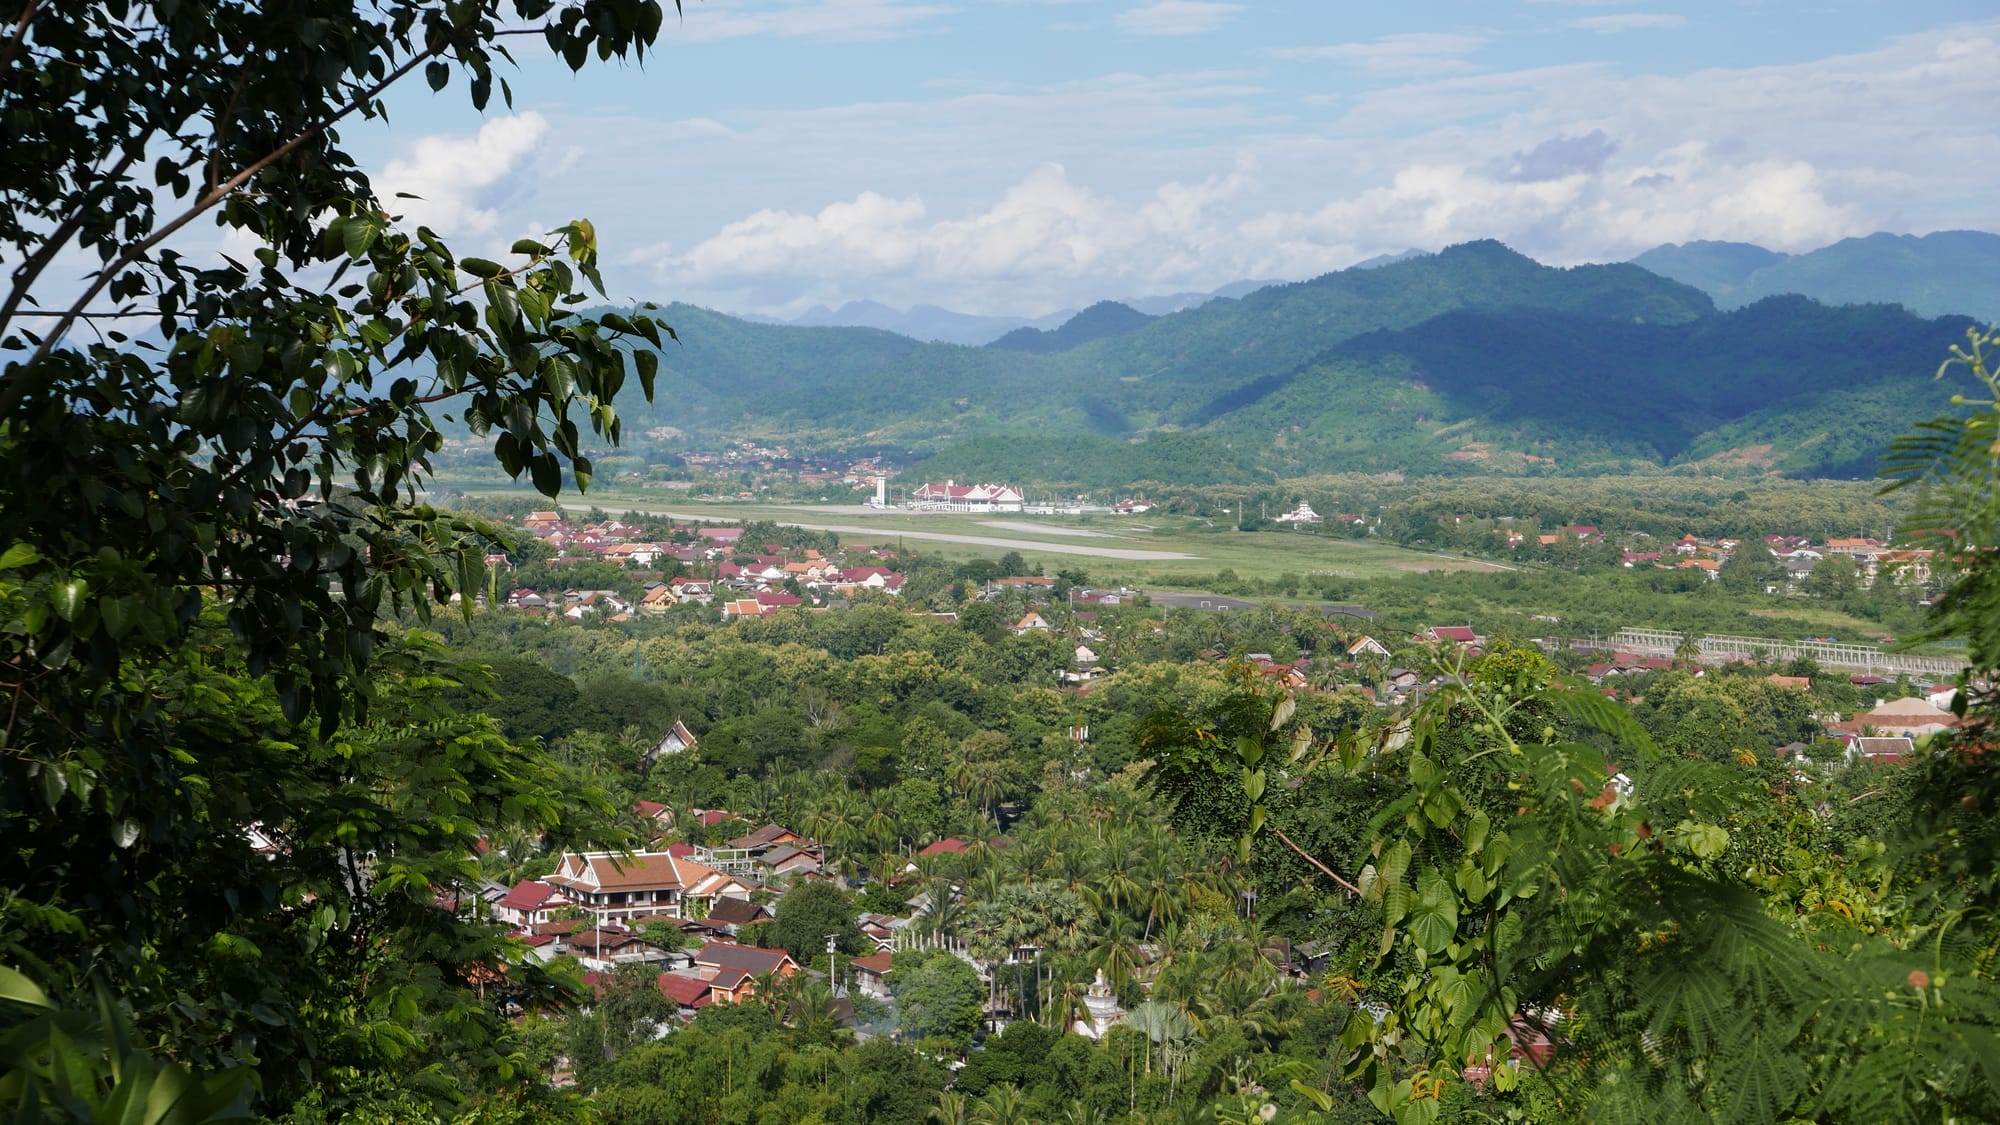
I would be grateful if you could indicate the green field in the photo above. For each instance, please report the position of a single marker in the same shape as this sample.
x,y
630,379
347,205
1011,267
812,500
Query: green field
x,y
1138,549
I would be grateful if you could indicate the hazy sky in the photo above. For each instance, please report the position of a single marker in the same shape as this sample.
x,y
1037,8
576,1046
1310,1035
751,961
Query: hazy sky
x,y
1018,156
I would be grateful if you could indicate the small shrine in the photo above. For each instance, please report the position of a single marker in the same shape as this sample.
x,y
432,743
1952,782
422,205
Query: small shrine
x,y
1103,1008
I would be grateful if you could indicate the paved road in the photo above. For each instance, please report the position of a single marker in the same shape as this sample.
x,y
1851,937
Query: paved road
x,y
879,534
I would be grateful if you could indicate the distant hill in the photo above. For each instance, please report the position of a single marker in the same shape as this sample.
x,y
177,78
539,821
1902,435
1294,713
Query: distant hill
x,y
940,325
1473,360
1950,272
1720,269
1100,321
922,322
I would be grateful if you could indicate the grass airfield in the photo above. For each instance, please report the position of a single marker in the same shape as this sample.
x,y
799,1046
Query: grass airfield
x,y
1147,550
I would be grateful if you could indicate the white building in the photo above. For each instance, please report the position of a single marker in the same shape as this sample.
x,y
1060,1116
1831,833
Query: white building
x,y
954,497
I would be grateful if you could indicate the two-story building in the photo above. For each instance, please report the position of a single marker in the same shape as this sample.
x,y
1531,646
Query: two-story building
x,y
615,887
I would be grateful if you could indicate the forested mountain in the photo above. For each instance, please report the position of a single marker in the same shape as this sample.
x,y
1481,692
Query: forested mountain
x,y
1100,321
1954,271
920,322
1472,360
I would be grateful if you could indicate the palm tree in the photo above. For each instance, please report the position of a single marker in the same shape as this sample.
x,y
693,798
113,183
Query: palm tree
x,y
1003,1104
1117,950
1077,1113
950,1108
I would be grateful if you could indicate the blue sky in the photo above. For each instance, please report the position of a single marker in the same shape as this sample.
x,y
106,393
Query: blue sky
x,y
1020,156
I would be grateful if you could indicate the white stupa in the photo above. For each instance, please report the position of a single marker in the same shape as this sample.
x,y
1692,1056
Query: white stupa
x,y
1103,1008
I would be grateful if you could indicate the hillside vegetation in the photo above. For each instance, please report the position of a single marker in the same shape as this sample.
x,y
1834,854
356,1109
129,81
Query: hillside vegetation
x,y
1953,271
1476,360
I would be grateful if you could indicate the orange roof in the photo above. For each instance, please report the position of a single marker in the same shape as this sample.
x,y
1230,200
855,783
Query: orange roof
x,y
605,871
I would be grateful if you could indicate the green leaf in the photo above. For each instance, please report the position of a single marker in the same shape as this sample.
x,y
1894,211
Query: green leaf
x,y
19,555
481,267
1396,862
20,990
67,597
357,234
547,473
1707,841
1433,920
648,364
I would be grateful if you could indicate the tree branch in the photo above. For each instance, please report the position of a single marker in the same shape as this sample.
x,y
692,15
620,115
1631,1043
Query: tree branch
x,y
18,34
31,268
1310,858
16,383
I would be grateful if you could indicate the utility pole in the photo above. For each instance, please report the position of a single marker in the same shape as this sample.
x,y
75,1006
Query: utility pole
x,y
832,986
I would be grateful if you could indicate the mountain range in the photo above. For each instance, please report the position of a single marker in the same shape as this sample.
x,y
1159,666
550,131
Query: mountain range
x,y
1954,271
1473,360
942,325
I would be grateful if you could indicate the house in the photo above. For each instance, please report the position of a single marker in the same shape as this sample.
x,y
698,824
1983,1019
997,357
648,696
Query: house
x,y
741,608
617,887
1085,657
677,740
1905,566
525,598
731,970
950,845
1899,717
1367,646
1030,622
603,948
730,915
722,536
1455,634
767,838
528,903
770,601
692,590
784,862
661,816
1881,751
659,599
689,993
871,974
585,602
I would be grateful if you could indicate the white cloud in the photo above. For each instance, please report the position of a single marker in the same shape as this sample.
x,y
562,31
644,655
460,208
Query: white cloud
x,y
461,181
1412,54
838,20
1152,183
1627,21
1044,230
1176,17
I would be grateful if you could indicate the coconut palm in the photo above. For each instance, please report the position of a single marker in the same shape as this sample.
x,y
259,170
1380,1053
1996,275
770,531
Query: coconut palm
x,y
1116,950
951,1108
1003,1104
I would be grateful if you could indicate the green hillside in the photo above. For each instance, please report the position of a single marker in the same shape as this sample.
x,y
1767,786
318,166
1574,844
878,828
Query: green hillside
x,y
1541,390
1949,272
1475,360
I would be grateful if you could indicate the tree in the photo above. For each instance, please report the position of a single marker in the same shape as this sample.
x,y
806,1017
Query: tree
x,y
938,996
810,913
208,532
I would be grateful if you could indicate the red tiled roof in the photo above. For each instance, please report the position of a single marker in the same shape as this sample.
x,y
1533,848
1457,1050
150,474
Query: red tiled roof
x,y
528,894
742,958
688,992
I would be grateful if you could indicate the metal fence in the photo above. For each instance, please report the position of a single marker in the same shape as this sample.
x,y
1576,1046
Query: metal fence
x,y
1720,648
